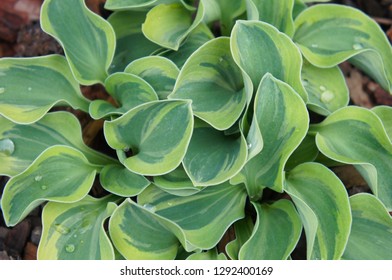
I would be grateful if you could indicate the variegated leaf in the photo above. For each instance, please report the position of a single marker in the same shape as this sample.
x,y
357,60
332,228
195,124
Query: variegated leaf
x,y
212,80
203,217
30,87
128,91
371,230
208,255
385,115
213,157
168,24
307,151
88,40
159,72
243,231
60,174
322,202
21,144
118,180
75,231
356,37
275,54
130,41
140,129
276,13
134,4
355,135
283,120
276,233
326,88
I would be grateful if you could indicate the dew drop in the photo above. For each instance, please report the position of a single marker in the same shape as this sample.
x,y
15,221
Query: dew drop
x,y
149,207
305,82
357,46
323,88
61,229
38,178
44,187
249,145
220,59
7,146
314,45
75,235
327,96
2,90
70,248
29,88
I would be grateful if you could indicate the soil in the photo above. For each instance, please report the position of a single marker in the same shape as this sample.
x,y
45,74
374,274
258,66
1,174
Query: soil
x,y
21,36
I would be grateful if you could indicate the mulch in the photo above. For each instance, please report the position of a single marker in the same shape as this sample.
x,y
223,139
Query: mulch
x,y
21,36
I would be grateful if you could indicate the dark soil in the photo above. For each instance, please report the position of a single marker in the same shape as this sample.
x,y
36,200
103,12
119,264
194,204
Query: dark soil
x,y
21,36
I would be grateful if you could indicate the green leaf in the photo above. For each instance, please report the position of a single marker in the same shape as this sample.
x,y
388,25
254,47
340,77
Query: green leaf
x,y
276,13
159,72
60,174
139,234
276,233
282,118
76,231
371,230
176,182
212,80
198,37
279,55
21,144
243,231
209,255
141,128
355,135
118,180
213,157
30,87
133,4
307,151
128,91
203,217
356,37
299,7
130,41
229,12
168,24
385,115
322,202
88,40
326,88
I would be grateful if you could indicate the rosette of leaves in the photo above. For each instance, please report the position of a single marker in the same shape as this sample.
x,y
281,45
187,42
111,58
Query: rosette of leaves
x,y
208,112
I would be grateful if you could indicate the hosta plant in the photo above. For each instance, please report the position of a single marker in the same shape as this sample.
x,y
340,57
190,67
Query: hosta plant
x,y
208,114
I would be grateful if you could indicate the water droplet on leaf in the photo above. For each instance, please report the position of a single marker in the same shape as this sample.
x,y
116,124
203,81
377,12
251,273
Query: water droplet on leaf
x,y
61,229
29,88
249,145
44,187
327,96
2,90
305,82
7,146
149,207
38,178
357,46
323,88
70,248
314,45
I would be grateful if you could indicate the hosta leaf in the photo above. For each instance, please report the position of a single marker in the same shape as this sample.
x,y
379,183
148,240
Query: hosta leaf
x,y
243,231
168,24
212,157
355,37
355,135
60,174
30,87
276,13
21,144
299,7
159,72
75,231
128,91
88,40
198,37
385,115
212,80
168,123
130,41
322,202
133,4
307,151
326,88
283,121
118,180
275,54
229,12
176,182
140,234
276,233
203,217
371,230
209,255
